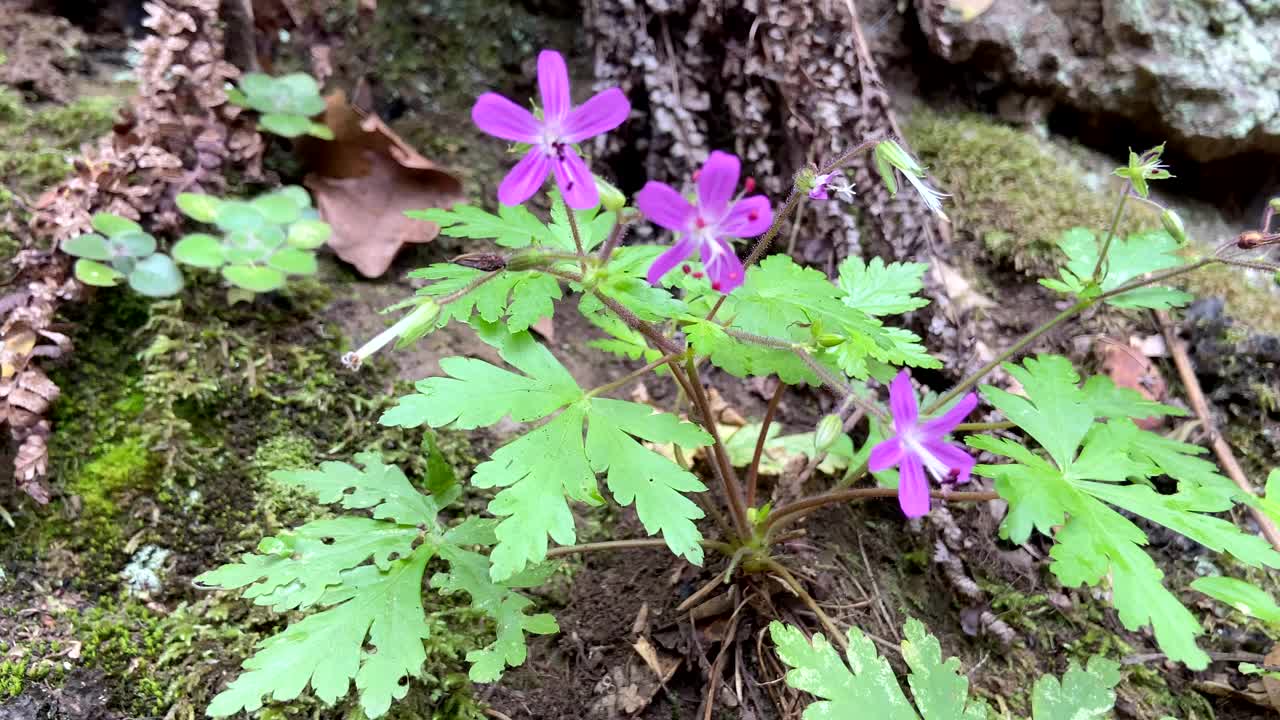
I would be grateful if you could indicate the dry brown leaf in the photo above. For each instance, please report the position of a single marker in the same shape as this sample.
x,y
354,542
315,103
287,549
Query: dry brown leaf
x,y
1129,368
364,180
1272,685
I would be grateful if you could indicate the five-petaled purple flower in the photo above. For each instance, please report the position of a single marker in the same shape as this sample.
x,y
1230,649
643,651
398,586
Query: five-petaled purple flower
x,y
552,137
918,446
704,225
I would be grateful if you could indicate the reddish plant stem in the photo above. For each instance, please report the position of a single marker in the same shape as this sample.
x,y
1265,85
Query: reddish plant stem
x,y
800,508
753,472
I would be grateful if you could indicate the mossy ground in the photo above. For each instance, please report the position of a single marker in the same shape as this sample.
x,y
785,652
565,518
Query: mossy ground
x,y
173,414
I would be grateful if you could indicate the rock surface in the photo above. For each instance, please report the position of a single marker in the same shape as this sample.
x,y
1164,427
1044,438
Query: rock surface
x,y
1198,72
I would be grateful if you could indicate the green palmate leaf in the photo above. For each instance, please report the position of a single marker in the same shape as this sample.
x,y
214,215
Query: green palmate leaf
x,y
469,572
791,304
156,276
780,450
1245,597
638,475
514,226
867,688
536,472
593,226
521,297
380,487
1127,259
302,563
1071,498
1083,694
938,687
551,464
201,208
371,621
477,394
327,650
91,272
112,225
879,289
199,250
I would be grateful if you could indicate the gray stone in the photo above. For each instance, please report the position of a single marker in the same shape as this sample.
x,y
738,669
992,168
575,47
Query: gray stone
x,y
1201,73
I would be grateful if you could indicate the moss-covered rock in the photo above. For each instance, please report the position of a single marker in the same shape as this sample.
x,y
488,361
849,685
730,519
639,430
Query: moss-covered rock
x,y
1015,192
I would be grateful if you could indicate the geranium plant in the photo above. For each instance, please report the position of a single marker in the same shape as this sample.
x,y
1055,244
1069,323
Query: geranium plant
x,y
1066,458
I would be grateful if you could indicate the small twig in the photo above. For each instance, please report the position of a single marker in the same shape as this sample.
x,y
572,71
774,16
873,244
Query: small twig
x,y
1221,448
781,572
717,666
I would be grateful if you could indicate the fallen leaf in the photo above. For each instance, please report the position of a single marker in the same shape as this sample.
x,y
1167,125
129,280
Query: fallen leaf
x,y
363,181
1128,367
1271,684
546,328
970,9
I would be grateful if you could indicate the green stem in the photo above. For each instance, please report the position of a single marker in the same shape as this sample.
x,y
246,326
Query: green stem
x,y
577,237
607,387
753,472
629,545
794,585
983,426
1111,233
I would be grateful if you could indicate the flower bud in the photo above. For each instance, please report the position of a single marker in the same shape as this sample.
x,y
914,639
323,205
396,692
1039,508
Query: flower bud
x,y
406,330
830,427
830,340
1173,225
805,179
891,156
1275,204
610,196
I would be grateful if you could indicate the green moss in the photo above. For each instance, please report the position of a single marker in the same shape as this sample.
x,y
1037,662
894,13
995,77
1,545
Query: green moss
x,y
13,675
1014,192
100,482
35,143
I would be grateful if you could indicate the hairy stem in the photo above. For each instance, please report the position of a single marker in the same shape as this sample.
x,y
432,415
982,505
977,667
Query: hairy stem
x,y
729,481
610,386
1111,233
800,508
577,237
614,240
636,544
753,472
984,426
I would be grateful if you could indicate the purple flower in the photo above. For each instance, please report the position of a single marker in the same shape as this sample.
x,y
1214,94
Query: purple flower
x,y
819,191
703,226
918,446
552,137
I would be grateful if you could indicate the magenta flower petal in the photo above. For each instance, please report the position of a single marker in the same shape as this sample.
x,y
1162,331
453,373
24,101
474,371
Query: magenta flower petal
x,y
960,462
553,80
717,182
525,178
663,205
885,455
576,183
672,257
913,488
602,113
902,402
502,118
945,423
723,267
748,217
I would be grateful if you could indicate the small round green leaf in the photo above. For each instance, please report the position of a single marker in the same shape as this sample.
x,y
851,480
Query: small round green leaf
x,y
251,247
294,261
203,208
320,130
289,126
256,83
239,216
109,224
255,278
131,244
156,276
298,194
303,92
92,246
199,250
94,273
309,234
278,207
235,97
